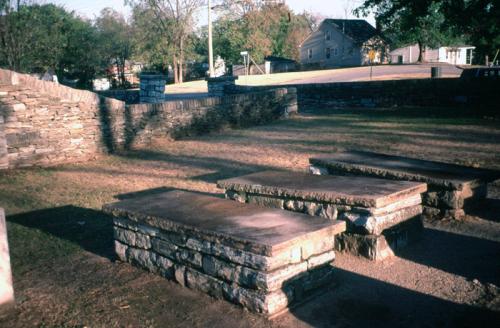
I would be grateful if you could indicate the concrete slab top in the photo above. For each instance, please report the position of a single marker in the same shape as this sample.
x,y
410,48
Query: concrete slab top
x,y
342,190
403,168
256,229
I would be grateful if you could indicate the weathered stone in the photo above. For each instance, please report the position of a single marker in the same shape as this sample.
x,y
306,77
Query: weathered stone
x,y
239,197
339,190
143,258
320,260
266,201
121,251
316,170
192,258
262,281
6,287
165,266
450,186
57,124
379,247
242,226
164,248
375,225
204,283
132,238
180,274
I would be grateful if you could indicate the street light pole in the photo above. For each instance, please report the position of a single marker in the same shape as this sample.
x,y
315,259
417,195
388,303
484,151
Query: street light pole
x,y
210,46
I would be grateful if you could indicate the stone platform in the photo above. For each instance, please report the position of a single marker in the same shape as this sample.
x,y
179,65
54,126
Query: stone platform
x,y
6,288
263,259
381,215
451,187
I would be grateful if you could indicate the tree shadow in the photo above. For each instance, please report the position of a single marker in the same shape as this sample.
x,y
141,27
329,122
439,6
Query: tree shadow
x,y
88,228
465,256
354,300
161,190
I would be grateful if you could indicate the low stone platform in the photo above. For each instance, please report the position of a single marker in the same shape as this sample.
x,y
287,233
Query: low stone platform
x,y
451,187
263,259
381,215
6,288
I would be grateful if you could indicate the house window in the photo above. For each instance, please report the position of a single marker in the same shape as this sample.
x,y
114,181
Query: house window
x,y
328,53
335,51
310,53
328,35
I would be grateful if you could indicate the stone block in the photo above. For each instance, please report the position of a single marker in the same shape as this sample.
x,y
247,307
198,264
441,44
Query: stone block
x,y
380,247
242,258
6,286
368,206
132,238
450,186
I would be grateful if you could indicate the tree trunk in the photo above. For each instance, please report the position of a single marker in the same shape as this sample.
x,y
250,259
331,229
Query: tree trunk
x,y
181,60
420,52
176,76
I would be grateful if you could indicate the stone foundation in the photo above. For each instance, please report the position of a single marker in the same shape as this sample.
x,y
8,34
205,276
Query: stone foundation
x,y
152,88
256,266
6,287
218,85
377,212
451,188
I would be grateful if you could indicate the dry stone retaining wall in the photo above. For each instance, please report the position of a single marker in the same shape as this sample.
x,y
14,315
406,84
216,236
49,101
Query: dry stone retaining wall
x,y
43,123
262,284
375,94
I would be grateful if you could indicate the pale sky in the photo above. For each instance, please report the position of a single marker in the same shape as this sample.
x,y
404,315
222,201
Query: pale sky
x,y
328,8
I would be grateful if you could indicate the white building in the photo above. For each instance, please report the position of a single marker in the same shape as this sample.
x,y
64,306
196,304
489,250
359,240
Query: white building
x,y
455,55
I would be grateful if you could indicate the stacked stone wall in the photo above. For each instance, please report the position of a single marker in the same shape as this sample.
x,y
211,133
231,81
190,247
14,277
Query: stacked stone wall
x,y
262,284
43,123
374,94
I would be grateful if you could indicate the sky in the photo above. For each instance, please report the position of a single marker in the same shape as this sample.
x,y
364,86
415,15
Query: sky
x,y
328,8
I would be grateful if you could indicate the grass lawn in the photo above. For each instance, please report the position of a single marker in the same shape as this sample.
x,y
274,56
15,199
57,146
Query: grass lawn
x,y
61,245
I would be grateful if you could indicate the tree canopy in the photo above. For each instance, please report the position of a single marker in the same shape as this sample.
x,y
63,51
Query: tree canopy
x,y
438,22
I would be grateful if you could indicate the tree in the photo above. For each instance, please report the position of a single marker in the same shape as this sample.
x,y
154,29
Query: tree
x,y
478,20
116,40
408,21
176,16
36,38
261,28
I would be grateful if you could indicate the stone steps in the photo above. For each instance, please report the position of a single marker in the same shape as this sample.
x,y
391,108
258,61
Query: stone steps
x,y
378,212
263,259
450,187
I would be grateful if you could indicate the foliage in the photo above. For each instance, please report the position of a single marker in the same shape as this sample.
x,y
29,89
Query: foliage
x,y
262,30
438,22
36,38
175,18
115,40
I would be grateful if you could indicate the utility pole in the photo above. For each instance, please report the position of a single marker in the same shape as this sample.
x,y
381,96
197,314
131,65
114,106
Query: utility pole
x,y
210,46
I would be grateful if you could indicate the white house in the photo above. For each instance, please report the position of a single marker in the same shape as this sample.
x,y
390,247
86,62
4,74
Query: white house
x,y
343,42
455,55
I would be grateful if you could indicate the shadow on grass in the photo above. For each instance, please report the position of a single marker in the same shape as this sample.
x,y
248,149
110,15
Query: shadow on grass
x,y
360,301
90,229
161,190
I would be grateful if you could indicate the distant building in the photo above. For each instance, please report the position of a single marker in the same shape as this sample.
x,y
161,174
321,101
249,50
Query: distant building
x,y
132,71
275,64
456,55
343,42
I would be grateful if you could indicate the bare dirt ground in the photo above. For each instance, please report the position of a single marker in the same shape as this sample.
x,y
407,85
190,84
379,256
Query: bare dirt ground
x,y
65,274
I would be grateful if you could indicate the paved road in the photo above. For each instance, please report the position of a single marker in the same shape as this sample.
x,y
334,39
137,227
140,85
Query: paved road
x,y
385,72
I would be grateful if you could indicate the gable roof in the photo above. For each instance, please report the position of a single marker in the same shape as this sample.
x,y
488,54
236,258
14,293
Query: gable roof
x,y
357,29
